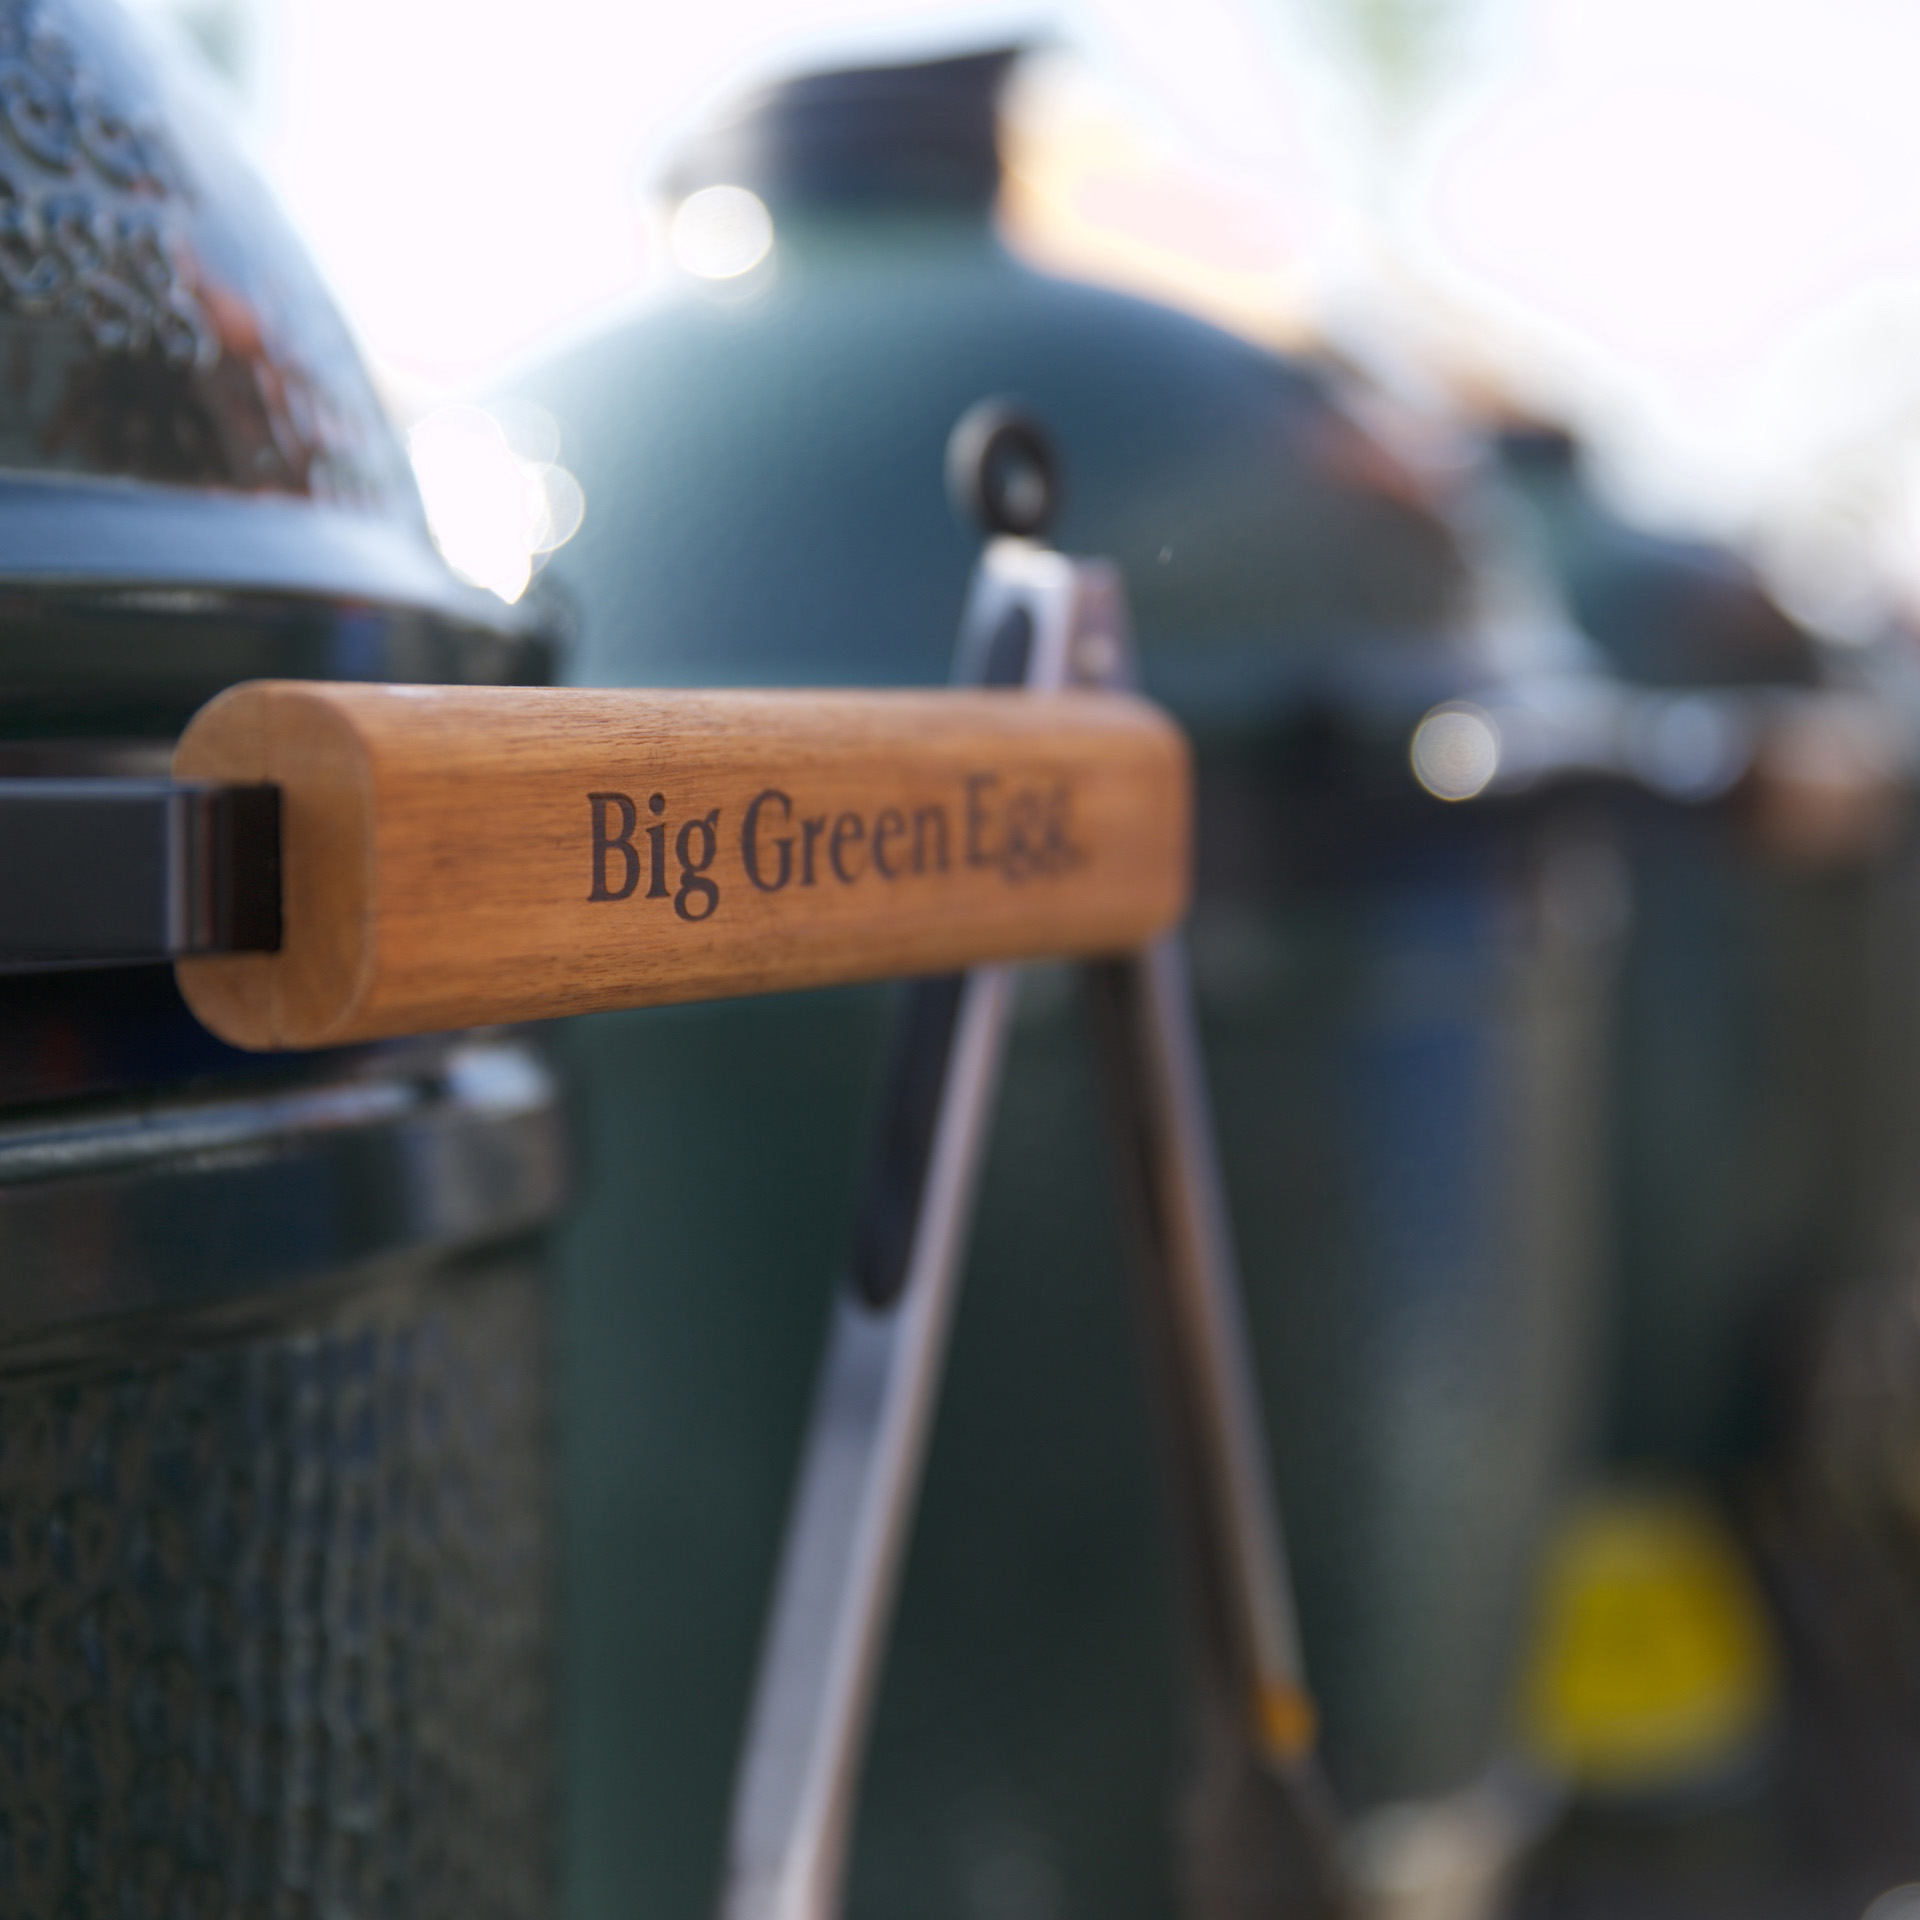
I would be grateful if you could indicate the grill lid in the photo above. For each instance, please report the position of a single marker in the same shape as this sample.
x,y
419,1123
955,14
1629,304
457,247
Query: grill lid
x,y
179,400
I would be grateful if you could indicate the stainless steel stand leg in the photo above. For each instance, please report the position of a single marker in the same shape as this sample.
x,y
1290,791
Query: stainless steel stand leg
x,y
1259,1838
860,1472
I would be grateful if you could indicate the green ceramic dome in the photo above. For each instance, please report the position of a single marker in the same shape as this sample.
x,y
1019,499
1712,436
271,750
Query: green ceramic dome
x,y
762,459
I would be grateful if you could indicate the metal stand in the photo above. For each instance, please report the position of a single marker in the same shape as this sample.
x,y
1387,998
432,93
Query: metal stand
x,y
1257,1837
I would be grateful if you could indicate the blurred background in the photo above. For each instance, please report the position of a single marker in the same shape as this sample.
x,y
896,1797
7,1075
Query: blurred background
x,y
1686,227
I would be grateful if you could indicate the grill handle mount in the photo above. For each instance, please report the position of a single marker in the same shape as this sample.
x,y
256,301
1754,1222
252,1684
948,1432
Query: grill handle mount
x,y
336,863
104,872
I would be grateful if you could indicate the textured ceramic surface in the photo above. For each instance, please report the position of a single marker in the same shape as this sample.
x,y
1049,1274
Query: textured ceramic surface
x,y
274,1615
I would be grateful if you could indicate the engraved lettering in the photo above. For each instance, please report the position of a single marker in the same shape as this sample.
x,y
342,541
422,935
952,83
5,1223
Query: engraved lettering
x,y
925,818
1022,832
657,888
1036,839
978,818
750,841
1060,852
890,825
605,843
848,831
694,885
1019,846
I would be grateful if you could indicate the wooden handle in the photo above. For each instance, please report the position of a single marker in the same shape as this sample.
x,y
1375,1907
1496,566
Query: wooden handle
x,y
453,856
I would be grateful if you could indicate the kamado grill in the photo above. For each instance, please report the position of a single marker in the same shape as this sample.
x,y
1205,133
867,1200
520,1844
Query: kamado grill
x,y
275,1527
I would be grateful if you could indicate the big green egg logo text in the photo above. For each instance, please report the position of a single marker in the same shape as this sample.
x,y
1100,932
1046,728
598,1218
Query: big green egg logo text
x,y
1019,831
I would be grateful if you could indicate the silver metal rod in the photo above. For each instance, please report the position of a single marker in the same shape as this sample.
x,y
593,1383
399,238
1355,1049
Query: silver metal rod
x,y
849,1522
1258,1834
1216,1350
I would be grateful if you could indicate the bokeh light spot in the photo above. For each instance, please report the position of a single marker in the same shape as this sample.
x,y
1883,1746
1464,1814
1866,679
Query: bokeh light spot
x,y
1456,752
720,233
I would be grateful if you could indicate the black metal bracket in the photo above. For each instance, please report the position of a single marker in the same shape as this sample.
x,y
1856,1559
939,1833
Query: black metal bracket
x,y
107,872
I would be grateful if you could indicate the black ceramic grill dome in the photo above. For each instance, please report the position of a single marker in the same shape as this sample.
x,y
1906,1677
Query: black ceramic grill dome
x,y
157,323
275,1530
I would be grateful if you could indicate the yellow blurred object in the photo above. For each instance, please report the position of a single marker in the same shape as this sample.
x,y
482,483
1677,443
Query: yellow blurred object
x,y
1288,1723
1653,1665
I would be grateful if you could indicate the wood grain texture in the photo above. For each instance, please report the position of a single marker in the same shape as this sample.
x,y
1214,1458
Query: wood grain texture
x,y
454,856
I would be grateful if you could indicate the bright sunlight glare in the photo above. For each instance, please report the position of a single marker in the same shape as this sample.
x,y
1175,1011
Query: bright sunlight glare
x,y
494,511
